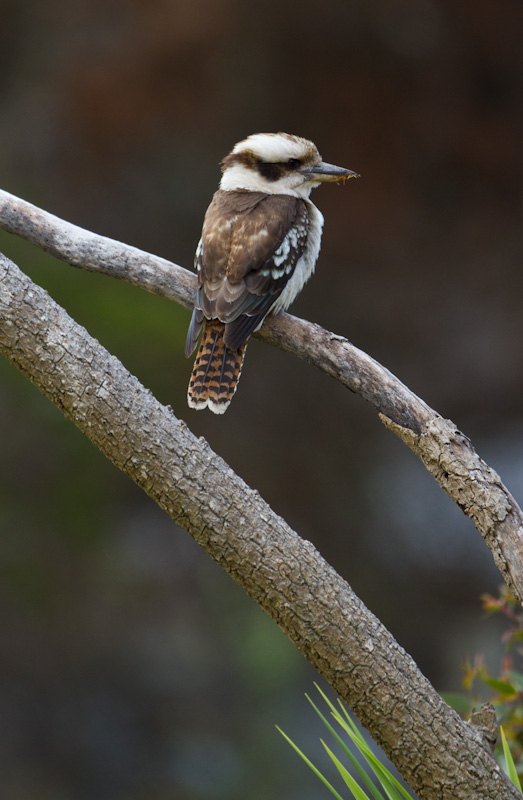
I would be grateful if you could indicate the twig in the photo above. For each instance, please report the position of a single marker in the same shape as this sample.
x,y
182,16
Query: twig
x,y
331,353
445,451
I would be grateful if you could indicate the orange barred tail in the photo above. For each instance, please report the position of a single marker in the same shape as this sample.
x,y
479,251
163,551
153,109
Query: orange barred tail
x,y
216,370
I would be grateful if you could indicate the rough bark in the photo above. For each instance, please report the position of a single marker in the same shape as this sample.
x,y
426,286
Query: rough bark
x,y
440,756
446,452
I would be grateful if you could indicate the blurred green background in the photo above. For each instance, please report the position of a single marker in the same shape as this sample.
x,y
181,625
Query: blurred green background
x,y
130,665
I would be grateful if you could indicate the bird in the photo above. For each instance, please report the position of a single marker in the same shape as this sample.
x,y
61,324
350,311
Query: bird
x,y
260,241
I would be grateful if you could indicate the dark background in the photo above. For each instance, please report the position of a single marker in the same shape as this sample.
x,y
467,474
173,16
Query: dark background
x,y
130,665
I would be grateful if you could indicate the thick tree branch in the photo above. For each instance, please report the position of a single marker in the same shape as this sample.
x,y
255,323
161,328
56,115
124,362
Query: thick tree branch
x,y
446,452
441,756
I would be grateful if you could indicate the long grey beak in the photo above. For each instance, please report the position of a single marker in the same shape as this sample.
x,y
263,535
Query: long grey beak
x,y
329,172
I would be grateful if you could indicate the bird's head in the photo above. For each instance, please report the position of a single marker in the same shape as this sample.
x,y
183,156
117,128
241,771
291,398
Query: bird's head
x,y
278,163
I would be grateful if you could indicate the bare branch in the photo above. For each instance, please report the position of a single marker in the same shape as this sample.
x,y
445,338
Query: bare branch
x,y
441,756
446,452
331,353
87,250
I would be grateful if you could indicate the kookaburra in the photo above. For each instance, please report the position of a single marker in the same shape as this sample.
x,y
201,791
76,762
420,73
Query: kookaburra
x,y
260,241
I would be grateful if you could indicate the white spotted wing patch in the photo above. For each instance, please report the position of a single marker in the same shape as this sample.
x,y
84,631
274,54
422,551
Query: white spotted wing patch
x,y
270,279
304,266
198,257
284,260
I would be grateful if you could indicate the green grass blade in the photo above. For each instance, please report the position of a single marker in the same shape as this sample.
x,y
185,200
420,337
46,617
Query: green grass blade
x,y
391,789
390,785
373,789
511,767
356,790
311,765
324,696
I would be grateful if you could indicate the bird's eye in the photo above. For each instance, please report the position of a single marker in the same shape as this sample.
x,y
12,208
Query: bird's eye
x,y
293,163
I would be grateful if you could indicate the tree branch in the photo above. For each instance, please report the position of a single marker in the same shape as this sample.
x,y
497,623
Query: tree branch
x,y
445,451
439,755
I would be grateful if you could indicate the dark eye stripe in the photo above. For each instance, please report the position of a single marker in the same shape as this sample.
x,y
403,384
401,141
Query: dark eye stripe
x,y
271,172
274,171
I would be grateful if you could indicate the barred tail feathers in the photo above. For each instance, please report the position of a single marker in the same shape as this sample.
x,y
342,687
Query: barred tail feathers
x,y
216,370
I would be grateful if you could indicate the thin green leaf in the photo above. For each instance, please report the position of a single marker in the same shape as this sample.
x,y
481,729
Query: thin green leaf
x,y
391,787
511,767
386,779
517,680
356,790
311,765
504,687
349,718
327,701
353,760
388,782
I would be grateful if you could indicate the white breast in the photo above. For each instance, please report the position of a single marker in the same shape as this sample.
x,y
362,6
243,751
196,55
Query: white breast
x,y
305,266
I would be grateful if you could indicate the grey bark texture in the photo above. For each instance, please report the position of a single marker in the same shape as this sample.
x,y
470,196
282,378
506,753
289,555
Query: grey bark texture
x,y
445,451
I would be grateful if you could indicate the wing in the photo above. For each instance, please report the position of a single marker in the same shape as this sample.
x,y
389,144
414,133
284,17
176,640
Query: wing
x,y
251,244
